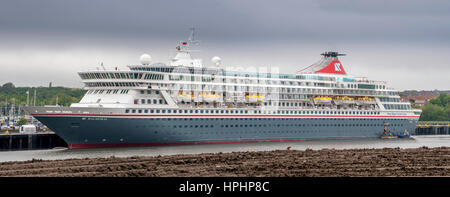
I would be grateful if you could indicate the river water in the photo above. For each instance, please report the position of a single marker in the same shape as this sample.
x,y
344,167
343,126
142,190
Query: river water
x,y
414,142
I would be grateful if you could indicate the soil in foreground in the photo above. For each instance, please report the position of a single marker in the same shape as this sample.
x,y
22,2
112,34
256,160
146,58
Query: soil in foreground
x,y
280,163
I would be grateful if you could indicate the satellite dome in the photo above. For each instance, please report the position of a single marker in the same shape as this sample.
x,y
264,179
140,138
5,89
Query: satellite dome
x,y
145,59
216,60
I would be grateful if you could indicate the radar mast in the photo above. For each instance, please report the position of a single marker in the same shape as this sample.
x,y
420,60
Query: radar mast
x,y
183,57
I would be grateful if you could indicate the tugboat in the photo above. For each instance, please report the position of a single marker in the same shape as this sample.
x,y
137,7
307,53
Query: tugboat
x,y
404,134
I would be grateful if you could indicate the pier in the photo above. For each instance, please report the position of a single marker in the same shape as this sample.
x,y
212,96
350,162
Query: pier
x,y
432,129
19,141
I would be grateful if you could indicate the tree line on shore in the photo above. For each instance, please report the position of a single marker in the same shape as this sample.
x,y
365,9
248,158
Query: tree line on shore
x,y
438,109
10,94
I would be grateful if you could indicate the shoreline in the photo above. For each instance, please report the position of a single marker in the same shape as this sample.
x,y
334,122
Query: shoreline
x,y
421,161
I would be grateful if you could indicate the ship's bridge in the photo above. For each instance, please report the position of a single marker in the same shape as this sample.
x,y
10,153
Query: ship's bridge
x,y
161,67
183,58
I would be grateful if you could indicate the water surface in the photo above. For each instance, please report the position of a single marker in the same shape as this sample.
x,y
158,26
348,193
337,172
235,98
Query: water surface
x,y
414,142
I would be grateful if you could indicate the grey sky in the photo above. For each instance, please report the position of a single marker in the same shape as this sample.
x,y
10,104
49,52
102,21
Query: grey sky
x,y
406,43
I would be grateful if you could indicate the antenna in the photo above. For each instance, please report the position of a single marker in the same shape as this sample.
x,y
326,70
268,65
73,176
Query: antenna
x,y
184,45
191,39
191,36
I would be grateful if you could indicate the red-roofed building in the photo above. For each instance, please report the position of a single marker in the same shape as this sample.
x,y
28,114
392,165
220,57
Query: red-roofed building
x,y
418,100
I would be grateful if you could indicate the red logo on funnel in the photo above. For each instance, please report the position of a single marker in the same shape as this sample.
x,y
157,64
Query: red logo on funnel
x,y
334,67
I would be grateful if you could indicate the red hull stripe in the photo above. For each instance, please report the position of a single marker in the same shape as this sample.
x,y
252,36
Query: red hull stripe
x,y
75,146
223,115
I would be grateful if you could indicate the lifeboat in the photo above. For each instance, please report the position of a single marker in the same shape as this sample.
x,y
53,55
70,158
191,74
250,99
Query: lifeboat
x,y
210,97
338,100
254,97
185,97
322,100
365,100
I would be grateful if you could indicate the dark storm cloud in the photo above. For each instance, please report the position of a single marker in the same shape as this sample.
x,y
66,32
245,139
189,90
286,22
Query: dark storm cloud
x,y
232,20
411,8
403,42
114,17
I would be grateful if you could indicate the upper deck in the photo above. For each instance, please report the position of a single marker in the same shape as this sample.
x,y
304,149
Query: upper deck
x,y
185,82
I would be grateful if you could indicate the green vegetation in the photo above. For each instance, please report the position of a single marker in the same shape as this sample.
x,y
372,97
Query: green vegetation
x,y
44,95
403,95
22,121
437,110
434,122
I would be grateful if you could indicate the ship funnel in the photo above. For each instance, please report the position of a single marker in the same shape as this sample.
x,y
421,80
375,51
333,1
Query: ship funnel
x,y
329,64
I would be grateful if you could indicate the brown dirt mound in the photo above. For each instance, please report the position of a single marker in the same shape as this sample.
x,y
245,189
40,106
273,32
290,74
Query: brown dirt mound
x,y
310,163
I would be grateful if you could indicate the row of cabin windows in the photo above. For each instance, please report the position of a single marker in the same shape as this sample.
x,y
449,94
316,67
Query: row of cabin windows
x,y
397,106
310,125
149,91
233,79
152,68
231,131
387,99
151,101
287,104
284,125
201,111
270,103
267,79
108,91
111,84
241,87
275,81
277,119
121,75
271,125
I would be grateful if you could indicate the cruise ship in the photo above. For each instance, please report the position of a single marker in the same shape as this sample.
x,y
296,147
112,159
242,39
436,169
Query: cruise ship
x,y
186,102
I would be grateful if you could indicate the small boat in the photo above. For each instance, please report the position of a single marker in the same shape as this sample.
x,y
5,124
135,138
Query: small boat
x,y
389,137
387,134
404,134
